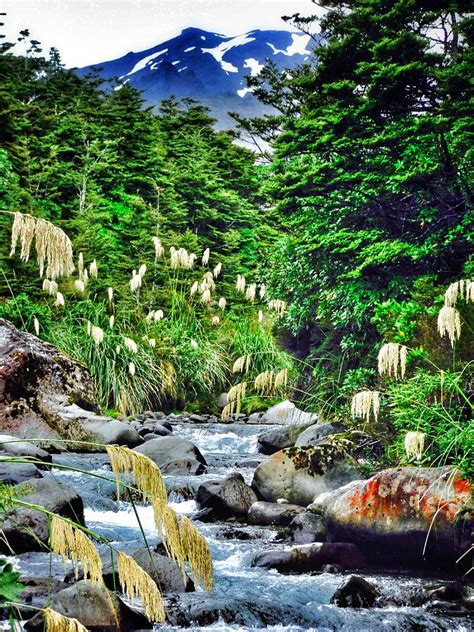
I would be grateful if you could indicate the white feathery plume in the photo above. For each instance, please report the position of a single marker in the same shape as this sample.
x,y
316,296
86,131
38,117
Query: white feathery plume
x,y
449,323
392,360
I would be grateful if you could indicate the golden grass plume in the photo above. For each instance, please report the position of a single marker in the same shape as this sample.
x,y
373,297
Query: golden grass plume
x,y
197,554
136,582
146,475
56,622
71,543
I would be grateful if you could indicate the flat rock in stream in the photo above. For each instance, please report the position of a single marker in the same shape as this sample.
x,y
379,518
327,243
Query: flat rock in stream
x,y
174,455
12,446
311,557
226,497
267,514
26,529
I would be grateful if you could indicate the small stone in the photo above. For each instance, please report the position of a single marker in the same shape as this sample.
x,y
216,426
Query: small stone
x,y
355,592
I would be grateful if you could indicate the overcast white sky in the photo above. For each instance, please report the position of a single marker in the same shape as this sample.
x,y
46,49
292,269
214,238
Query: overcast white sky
x,y
91,31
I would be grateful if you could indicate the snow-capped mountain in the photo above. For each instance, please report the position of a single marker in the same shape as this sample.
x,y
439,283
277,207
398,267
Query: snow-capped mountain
x,y
208,66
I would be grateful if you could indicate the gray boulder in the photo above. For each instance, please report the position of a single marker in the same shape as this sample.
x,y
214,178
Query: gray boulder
x,y
311,557
279,438
301,474
12,446
93,605
26,529
13,473
174,455
287,413
226,497
316,432
161,568
307,527
265,514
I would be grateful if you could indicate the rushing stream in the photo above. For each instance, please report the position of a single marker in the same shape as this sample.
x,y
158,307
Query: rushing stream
x,y
261,598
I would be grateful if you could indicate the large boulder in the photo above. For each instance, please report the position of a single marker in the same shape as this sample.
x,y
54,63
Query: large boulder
x,y
26,529
316,432
265,514
406,516
301,474
278,438
46,394
174,455
226,497
93,605
311,557
287,413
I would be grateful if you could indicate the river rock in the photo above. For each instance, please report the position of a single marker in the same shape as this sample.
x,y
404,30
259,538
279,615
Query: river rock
x,y
316,432
407,516
13,473
311,557
279,438
93,605
227,497
174,455
355,592
46,394
26,529
161,568
11,446
287,413
307,527
301,474
265,514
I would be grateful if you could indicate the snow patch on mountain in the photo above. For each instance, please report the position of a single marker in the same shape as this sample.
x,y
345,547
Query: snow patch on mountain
x,y
228,67
219,51
255,66
244,91
297,47
188,50
145,61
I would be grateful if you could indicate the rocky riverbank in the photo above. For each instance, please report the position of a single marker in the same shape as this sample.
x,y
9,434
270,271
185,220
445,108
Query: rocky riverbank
x,y
299,537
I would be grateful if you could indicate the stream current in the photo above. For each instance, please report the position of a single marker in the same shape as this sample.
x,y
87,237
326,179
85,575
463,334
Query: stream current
x,y
255,598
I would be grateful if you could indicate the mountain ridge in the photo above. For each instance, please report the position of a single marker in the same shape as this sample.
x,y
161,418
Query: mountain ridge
x,y
210,67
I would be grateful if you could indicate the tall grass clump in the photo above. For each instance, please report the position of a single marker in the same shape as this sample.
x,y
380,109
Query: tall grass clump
x,y
167,337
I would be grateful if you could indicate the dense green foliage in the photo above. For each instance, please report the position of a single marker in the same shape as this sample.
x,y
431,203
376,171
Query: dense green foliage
x,y
364,209
372,177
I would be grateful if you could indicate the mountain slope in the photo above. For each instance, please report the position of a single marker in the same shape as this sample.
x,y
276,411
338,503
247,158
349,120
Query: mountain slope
x,y
207,66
